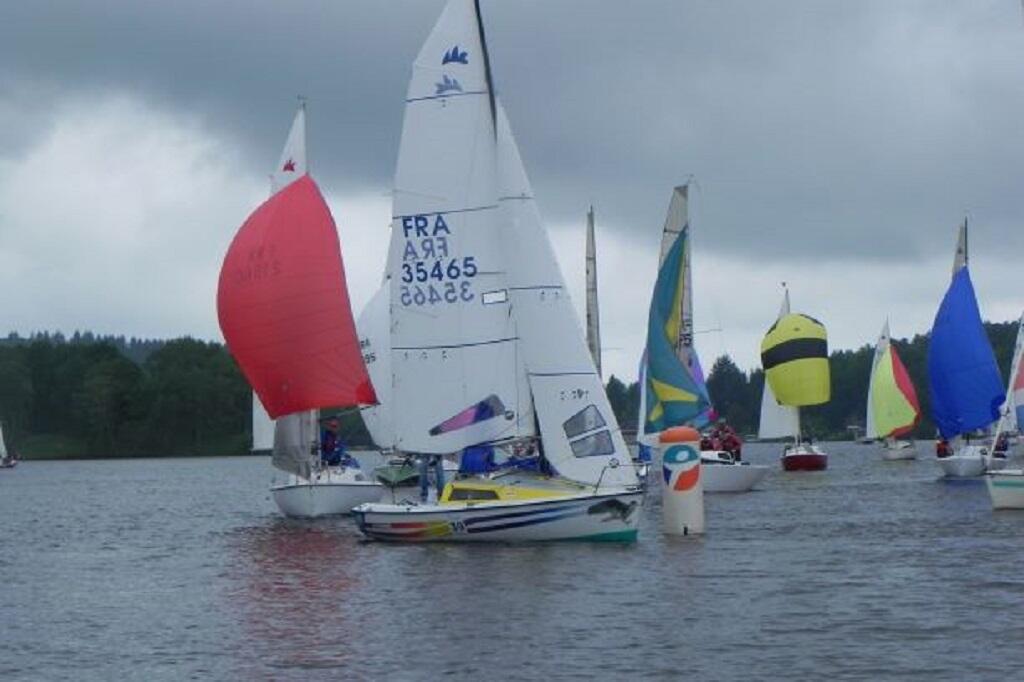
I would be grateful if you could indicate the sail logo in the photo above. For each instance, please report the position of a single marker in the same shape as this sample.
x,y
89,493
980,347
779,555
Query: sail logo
x,y
447,84
289,166
454,56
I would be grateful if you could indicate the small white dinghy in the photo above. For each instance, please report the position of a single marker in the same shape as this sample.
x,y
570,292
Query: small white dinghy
x,y
1006,488
723,474
329,491
894,450
968,461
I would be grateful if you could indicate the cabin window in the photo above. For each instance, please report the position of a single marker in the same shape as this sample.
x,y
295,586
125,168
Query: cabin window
x,y
587,419
462,494
595,444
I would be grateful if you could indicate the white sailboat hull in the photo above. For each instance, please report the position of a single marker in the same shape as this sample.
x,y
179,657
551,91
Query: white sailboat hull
x,y
721,475
602,517
1006,488
899,450
970,461
327,493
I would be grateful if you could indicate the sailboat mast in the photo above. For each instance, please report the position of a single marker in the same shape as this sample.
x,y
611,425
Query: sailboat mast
x,y
593,312
487,67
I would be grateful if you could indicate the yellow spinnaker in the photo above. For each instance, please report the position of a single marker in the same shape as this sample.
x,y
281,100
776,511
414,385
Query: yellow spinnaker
x,y
794,354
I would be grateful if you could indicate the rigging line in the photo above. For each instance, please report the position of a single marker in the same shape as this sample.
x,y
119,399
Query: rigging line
x,y
487,67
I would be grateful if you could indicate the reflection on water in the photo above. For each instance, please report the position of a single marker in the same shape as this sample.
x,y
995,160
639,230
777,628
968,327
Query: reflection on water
x,y
288,581
179,568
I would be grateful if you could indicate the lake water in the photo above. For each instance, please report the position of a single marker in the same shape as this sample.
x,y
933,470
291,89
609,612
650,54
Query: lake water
x,y
179,568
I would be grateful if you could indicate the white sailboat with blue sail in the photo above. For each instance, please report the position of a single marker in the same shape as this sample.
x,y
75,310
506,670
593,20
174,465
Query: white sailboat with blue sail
x,y
672,387
488,358
965,386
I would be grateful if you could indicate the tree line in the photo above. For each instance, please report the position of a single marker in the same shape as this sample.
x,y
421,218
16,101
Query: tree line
x,y
87,395
737,395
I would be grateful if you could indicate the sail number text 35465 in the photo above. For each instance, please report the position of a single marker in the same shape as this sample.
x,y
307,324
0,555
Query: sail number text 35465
x,y
430,275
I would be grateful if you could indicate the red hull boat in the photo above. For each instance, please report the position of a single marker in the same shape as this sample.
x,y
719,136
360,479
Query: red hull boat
x,y
804,458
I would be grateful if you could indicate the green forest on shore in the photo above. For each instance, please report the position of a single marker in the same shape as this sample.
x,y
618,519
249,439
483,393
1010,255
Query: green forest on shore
x,y
93,396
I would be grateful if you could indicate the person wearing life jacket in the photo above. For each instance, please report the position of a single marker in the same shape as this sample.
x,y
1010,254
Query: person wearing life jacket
x,y
942,448
331,450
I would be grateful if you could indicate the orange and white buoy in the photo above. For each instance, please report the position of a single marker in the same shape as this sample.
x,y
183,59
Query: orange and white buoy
x,y
682,495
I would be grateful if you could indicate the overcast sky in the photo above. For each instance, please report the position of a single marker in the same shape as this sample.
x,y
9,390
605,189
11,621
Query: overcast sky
x,y
835,145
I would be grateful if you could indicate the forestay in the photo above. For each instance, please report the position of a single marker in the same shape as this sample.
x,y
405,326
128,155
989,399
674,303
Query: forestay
x,y
580,436
457,380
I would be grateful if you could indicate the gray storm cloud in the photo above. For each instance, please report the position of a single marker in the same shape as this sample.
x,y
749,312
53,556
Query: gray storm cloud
x,y
828,139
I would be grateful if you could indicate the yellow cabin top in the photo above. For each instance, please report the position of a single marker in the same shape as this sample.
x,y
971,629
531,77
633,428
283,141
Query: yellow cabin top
x,y
477,490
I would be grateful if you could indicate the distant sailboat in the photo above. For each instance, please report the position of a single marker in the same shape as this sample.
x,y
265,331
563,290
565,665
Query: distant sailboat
x,y
488,356
7,460
672,387
892,407
1006,487
794,355
965,386
284,311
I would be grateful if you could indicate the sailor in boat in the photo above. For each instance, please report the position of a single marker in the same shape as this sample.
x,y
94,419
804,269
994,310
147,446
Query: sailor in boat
x,y
425,463
333,452
942,448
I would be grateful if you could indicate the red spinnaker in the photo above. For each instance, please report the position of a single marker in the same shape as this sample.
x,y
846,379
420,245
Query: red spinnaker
x,y
284,310
906,387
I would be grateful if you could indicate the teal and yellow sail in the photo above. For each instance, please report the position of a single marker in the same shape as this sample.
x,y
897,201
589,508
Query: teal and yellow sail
x,y
674,391
794,354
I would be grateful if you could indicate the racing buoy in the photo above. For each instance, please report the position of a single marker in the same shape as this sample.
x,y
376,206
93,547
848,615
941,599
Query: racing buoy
x,y
682,495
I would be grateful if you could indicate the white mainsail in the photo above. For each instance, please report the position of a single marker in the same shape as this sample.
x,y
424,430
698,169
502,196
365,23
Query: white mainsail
x,y
580,436
262,426
290,167
960,258
295,442
870,430
593,312
1008,419
374,325
3,444
778,421
457,380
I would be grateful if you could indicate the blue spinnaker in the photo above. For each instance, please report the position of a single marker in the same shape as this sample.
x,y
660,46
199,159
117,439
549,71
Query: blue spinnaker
x,y
966,388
